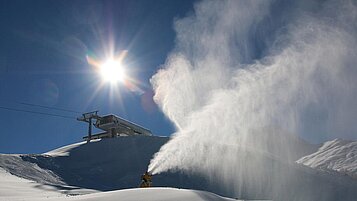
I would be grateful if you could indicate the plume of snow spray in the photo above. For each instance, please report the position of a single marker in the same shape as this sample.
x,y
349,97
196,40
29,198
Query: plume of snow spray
x,y
246,76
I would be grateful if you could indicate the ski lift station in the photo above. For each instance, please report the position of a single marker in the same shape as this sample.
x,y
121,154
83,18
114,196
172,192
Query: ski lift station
x,y
111,125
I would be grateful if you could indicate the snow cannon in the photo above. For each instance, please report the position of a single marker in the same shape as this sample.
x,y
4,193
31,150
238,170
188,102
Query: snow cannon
x,y
146,180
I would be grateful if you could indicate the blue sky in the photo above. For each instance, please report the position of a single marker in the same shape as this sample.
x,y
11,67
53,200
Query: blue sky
x,y
43,62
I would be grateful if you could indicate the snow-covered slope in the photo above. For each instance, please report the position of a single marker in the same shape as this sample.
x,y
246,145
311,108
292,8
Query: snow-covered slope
x,y
106,164
336,155
15,188
151,194
112,164
15,164
103,165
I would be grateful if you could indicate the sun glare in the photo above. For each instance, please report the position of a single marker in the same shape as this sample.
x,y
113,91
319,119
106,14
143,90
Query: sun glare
x,y
112,71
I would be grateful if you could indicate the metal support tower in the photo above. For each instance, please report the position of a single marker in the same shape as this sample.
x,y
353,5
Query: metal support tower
x,y
87,117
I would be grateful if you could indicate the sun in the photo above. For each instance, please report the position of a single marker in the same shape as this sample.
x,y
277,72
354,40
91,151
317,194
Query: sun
x,y
112,71
115,74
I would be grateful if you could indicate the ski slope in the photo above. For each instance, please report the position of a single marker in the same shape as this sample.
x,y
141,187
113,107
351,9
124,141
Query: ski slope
x,y
106,169
150,194
103,165
13,188
16,188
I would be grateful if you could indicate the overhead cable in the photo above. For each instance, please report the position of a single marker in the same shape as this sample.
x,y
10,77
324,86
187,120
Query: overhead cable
x,y
35,112
48,107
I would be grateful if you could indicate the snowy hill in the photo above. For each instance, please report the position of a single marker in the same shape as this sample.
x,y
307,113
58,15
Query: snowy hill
x,y
152,194
13,188
336,156
112,164
103,165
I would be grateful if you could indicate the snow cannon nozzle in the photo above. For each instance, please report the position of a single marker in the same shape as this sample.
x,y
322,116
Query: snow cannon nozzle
x,y
151,170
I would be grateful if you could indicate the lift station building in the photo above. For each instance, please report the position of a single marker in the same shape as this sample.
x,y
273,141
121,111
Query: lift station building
x,y
112,126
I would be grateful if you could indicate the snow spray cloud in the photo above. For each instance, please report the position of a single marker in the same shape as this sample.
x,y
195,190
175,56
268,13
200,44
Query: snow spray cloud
x,y
245,74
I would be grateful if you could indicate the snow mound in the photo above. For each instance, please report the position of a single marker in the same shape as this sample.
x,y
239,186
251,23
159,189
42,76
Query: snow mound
x,y
336,156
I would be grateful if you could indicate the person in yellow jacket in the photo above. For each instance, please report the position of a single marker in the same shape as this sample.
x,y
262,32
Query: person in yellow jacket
x,y
146,180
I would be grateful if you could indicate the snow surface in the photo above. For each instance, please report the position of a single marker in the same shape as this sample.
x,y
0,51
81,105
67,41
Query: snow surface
x,y
107,164
15,164
149,194
64,151
83,169
337,155
13,188
154,194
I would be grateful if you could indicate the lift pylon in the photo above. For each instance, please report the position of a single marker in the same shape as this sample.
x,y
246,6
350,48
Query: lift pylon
x,y
87,117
